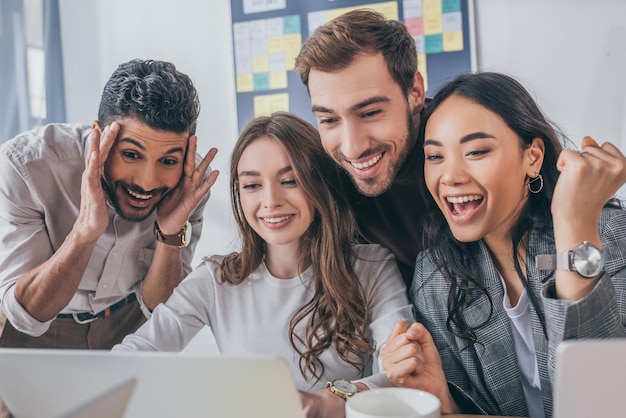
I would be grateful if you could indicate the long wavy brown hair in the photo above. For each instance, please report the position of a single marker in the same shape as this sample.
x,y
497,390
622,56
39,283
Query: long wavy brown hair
x,y
337,313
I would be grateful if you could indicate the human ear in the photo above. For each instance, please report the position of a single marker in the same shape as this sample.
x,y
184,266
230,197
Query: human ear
x,y
416,94
533,157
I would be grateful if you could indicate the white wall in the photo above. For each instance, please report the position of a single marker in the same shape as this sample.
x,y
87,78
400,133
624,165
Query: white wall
x,y
98,35
570,54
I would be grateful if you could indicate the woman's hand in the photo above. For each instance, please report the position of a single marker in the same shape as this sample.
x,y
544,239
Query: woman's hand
x,y
322,404
587,181
411,359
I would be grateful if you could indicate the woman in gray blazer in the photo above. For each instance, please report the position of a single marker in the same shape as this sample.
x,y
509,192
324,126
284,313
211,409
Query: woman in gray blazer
x,y
524,252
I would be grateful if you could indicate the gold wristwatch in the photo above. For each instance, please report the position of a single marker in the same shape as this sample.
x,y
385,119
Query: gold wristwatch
x,y
180,239
343,388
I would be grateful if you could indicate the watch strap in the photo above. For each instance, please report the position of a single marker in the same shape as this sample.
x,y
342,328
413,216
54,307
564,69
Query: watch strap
x,y
558,261
564,261
177,240
546,261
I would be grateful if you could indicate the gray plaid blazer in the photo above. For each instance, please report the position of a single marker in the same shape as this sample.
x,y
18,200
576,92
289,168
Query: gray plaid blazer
x,y
487,373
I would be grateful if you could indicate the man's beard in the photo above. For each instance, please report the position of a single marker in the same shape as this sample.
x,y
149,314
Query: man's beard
x,y
134,216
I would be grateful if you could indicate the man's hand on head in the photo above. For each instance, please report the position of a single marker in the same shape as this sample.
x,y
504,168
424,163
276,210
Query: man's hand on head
x,y
93,218
176,207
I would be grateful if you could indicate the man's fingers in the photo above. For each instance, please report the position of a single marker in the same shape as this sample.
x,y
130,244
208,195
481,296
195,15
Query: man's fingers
x,y
190,157
206,161
108,139
94,144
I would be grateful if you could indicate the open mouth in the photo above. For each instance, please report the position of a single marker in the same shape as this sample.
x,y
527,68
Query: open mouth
x,y
139,195
369,163
462,205
138,199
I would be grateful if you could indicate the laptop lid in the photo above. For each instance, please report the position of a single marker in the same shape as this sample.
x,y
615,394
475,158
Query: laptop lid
x,y
48,382
589,379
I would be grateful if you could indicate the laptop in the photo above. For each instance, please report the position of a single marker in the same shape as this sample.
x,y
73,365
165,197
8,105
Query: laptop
x,y
37,383
590,379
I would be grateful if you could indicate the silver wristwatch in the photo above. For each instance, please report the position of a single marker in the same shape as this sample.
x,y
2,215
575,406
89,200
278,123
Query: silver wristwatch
x,y
586,259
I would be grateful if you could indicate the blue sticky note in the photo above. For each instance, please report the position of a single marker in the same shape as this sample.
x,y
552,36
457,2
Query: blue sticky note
x,y
291,24
261,81
434,43
448,6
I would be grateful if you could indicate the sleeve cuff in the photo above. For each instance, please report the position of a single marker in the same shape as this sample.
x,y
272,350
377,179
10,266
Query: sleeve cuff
x,y
19,317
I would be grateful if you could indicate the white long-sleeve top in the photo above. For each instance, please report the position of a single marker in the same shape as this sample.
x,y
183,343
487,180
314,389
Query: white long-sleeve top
x,y
253,317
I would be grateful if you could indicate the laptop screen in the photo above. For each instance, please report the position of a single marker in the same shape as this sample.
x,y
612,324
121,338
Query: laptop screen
x,y
47,382
589,379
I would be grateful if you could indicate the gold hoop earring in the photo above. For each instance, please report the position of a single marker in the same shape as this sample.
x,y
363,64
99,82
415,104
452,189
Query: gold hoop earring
x,y
536,190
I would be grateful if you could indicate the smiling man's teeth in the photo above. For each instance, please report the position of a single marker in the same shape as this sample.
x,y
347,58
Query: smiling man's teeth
x,y
463,199
367,164
276,220
138,195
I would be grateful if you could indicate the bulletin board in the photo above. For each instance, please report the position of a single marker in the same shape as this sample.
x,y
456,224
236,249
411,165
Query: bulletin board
x,y
268,34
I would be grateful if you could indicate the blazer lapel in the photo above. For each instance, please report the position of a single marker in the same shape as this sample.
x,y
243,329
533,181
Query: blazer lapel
x,y
494,355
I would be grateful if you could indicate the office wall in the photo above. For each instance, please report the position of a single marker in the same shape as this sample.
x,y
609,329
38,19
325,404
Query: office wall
x,y
569,53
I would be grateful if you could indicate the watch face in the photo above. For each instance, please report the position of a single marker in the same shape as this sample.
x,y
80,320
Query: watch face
x,y
345,386
588,260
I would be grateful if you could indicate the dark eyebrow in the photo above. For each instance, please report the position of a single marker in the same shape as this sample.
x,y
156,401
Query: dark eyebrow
x,y
139,145
254,173
360,105
463,140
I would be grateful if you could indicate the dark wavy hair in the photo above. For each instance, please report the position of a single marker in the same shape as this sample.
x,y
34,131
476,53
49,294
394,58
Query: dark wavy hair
x,y
337,312
335,45
508,99
154,92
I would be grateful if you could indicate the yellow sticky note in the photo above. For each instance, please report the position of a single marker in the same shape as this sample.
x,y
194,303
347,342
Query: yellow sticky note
x,y
278,80
280,102
244,83
431,7
260,64
433,25
433,18
275,44
262,105
452,41
292,45
389,9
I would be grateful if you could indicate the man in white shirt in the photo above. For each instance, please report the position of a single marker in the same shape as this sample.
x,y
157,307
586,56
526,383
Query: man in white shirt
x,y
98,223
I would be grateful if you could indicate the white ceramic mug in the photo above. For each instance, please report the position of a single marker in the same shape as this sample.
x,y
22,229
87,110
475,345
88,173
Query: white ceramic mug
x,y
393,403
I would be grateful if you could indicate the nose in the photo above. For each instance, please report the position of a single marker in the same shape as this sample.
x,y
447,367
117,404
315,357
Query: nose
x,y
453,173
354,141
272,196
147,177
